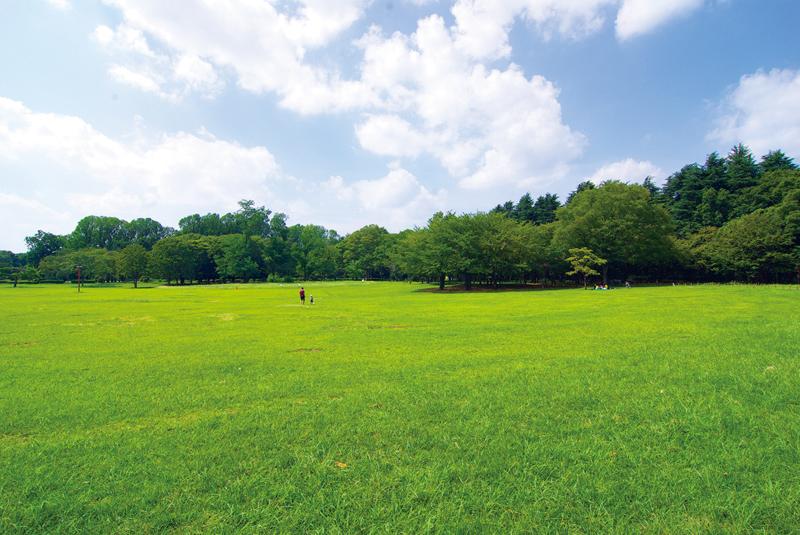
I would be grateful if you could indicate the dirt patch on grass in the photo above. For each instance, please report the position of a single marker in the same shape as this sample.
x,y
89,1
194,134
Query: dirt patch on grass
x,y
130,320
21,343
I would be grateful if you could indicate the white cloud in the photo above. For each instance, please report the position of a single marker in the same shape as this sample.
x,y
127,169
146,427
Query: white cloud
x,y
487,127
165,177
170,77
398,200
263,43
60,4
73,170
390,135
763,112
482,26
125,39
198,75
139,80
103,35
637,17
628,170
440,91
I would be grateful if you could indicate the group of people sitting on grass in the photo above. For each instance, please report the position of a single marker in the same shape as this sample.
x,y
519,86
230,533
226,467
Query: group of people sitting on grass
x,y
605,286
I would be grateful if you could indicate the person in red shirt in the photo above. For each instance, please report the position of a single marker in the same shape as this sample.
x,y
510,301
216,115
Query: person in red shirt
x,y
302,296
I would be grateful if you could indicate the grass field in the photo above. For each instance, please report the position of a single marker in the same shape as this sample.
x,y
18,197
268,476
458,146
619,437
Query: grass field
x,y
383,408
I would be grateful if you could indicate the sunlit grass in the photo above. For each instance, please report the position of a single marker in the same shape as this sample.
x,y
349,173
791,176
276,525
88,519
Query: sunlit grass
x,y
384,408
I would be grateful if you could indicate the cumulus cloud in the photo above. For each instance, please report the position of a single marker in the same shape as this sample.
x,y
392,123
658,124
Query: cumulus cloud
x,y
637,17
446,91
166,176
263,43
169,76
482,26
398,200
66,169
390,135
140,80
487,127
763,112
628,170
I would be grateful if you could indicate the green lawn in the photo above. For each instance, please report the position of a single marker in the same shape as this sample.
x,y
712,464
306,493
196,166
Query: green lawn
x,y
383,408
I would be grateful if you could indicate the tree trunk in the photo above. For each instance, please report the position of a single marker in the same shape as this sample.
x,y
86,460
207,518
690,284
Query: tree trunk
x,y
605,274
585,284
135,283
441,281
467,281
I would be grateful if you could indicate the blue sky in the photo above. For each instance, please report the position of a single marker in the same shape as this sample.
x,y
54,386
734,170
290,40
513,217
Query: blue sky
x,y
350,112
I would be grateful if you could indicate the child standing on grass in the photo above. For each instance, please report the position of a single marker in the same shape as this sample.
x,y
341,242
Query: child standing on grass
x,y
311,299
302,296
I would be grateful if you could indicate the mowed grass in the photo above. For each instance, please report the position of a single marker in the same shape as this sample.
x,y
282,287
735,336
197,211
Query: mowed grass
x,y
383,408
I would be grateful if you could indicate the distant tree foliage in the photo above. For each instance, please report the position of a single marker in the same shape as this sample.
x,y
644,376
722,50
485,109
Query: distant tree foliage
x,y
365,253
538,212
132,263
729,218
43,244
619,223
95,265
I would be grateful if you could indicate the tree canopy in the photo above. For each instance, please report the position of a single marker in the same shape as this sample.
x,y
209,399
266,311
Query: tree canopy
x,y
729,218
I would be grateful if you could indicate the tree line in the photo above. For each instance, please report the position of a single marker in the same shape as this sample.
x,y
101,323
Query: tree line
x,y
731,218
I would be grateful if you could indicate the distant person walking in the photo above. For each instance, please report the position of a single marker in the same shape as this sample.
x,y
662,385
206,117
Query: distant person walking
x,y
302,296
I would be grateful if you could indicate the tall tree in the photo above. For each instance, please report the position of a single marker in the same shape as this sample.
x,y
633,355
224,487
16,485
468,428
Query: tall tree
x,y
583,262
238,257
683,193
503,248
99,231
132,263
252,220
365,253
743,171
43,244
544,209
507,208
650,185
146,232
440,250
771,190
583,186
776,160
619,223
279,248
177,258
206,225
307,244
524,210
